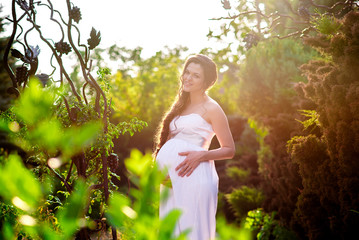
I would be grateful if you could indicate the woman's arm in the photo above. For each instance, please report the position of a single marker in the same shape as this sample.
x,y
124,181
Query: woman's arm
x,y
220,126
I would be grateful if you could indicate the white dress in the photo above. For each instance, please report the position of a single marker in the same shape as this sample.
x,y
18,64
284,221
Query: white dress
x,y
196,196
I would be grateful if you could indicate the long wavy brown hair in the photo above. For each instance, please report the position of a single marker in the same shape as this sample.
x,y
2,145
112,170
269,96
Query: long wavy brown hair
x,y
182,99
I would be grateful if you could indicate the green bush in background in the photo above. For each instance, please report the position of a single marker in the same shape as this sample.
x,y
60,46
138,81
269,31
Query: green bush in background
x,y
244,199
266,227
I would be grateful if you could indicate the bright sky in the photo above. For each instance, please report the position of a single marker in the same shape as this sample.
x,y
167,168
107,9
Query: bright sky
x,y
151,24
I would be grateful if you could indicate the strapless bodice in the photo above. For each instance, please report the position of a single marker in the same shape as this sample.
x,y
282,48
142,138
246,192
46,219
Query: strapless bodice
x,y
192,128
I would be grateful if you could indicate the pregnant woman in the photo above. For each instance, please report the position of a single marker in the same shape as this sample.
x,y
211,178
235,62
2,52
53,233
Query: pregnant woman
x,y
182,145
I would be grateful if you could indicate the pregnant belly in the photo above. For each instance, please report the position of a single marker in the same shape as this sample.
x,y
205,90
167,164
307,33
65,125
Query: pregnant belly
x,y
169,159
168,154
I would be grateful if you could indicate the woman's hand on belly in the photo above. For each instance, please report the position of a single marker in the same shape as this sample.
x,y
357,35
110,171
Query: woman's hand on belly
x,y
191,162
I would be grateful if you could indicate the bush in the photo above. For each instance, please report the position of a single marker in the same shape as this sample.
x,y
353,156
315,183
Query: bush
x,y
237,174
243,200
328,161
265,227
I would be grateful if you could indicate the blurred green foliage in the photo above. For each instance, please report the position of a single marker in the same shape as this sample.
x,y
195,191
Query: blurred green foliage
x,y
47,143
149,89
34,111
72,216
244,199
264,152
21,189
32,125
15,175
237,174
327,25
227,231
266,227
138,219
268,76
135,216
312,121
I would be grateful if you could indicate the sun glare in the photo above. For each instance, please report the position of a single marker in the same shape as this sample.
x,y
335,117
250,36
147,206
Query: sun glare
x,y
151,25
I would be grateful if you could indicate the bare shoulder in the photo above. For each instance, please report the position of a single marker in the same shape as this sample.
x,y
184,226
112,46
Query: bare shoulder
x,y
213,107
214,110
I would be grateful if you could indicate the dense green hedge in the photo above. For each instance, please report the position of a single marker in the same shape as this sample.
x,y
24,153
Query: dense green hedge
x,y
328,162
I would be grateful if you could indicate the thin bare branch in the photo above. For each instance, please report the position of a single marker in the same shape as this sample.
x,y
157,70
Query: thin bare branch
x,y
8,46
329,9
274,19
67,185
52,65
288,35
289,5
275,14
83,92
81,45
69,172
27,45
66,104
18,36
21,31
87,75
105,177
105,103
239,14
59,60
53,19
95,186
62,20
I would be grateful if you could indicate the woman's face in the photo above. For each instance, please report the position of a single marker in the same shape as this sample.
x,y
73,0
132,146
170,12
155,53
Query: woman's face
x,y
193,78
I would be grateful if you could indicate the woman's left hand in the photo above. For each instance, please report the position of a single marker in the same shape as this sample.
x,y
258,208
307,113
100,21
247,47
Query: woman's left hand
x,y
191,162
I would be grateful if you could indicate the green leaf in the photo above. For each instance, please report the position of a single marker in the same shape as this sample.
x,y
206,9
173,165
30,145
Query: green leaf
x,y
313,118
48,233
35,103
7,231
325,24
19,185
48,134
119,210
168,224
71,216
259,130
76,138
227,231
4,125
138,163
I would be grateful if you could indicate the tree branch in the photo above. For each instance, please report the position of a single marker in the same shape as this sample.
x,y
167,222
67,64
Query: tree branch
x,y
8,46
68,187
69,172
